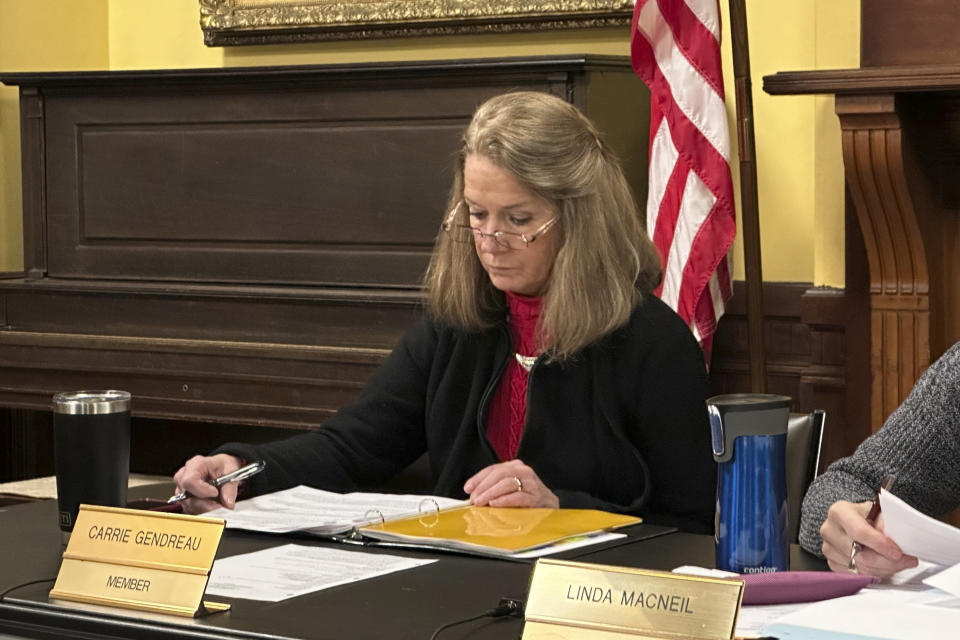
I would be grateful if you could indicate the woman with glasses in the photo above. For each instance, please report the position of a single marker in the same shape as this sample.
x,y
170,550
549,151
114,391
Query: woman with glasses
x,y
545,373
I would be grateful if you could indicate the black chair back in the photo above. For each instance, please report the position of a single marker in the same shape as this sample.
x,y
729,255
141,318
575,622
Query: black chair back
x,y
804,439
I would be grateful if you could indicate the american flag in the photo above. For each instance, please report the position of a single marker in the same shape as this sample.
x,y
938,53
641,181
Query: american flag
x,y
675,46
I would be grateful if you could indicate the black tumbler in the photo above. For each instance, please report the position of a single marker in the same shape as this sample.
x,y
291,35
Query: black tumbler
x,y
91,435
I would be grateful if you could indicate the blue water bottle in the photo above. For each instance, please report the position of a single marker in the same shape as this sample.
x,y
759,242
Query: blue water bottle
x,y
749,432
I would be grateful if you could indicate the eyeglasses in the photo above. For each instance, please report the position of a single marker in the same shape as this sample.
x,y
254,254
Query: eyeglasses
x,y
507,239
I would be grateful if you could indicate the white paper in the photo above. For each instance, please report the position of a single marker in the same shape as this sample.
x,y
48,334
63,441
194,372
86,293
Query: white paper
x,y
323,512
704,572
754,618
910,579
292,570
890,614
918,534
947,580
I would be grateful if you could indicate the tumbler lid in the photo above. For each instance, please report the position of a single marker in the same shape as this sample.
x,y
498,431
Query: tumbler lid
x,y
91,402
745,414
749,401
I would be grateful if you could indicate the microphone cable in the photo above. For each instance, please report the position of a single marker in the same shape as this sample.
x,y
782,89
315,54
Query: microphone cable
x,y
507,608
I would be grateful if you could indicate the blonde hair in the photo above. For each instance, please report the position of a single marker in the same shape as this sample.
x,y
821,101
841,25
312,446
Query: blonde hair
x,y
605,263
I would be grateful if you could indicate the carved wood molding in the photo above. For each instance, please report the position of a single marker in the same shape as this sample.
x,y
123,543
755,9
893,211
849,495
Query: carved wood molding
x,y
873,156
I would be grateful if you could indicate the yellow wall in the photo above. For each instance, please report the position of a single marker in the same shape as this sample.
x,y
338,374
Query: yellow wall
x,y
798,155
799,163
38,35
837,34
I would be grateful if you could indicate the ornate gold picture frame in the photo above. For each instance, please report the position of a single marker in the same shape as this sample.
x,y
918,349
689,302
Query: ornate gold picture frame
x,y
234,22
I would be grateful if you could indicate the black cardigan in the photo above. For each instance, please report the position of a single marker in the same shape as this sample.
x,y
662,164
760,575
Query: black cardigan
x,y
623,427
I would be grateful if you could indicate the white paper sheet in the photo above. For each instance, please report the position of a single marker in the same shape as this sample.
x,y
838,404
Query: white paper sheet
x,y
754,618
907,593
292,570
693,570
918,534
322,512
947,580
888,614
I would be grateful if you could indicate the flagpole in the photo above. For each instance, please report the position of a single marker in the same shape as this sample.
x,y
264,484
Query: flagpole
x,y
748,195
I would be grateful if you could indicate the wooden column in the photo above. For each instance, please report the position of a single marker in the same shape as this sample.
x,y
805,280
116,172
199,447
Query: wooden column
x,y
873,157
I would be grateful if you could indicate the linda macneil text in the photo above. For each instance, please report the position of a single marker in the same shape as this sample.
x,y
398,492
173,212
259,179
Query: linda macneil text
x,y
653,601
145,538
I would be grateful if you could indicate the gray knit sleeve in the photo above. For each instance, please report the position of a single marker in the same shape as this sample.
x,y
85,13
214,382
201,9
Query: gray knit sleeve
x,y
920,442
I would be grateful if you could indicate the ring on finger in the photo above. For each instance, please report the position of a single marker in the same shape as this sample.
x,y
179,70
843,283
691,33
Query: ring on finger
x,y
519,484
854,549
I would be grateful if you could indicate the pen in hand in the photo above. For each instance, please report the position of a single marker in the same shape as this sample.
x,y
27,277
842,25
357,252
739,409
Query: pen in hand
x,y
885,484
242,473
872,516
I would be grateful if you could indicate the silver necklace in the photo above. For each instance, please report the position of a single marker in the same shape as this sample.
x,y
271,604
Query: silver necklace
x,y
526,362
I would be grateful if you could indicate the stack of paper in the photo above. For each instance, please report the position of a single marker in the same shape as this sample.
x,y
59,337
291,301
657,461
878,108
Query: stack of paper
x,y
324,513
424,521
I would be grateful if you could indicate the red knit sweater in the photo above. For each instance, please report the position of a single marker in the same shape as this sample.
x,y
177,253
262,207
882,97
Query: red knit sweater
x,y
508,408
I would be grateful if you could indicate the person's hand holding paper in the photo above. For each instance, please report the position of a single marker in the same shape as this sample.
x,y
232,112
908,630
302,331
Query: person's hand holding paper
x,y
918,534
854,538
878,555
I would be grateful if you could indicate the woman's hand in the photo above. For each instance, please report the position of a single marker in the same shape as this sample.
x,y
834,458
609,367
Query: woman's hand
x,y
509,484
878,555
194,477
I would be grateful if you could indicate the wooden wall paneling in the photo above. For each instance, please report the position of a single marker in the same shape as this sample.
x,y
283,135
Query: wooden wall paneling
x,y
9,451
932,169
810,334
27,439
281,315
786,339
295,386
317,176
825,312
33,177
909,32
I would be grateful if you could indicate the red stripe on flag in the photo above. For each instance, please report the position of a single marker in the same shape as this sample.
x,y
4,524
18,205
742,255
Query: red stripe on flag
x,y
726,281
698,131
707,251
699,153
669,211
695,41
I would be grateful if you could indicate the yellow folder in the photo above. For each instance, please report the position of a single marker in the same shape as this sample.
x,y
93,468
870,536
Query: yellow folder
x,y
495,530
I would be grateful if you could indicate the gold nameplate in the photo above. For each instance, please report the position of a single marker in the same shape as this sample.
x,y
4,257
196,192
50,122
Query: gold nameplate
x,y
580,601
140,560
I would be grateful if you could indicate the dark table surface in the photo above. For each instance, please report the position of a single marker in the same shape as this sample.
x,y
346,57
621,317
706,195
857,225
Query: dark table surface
x,y
404,605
